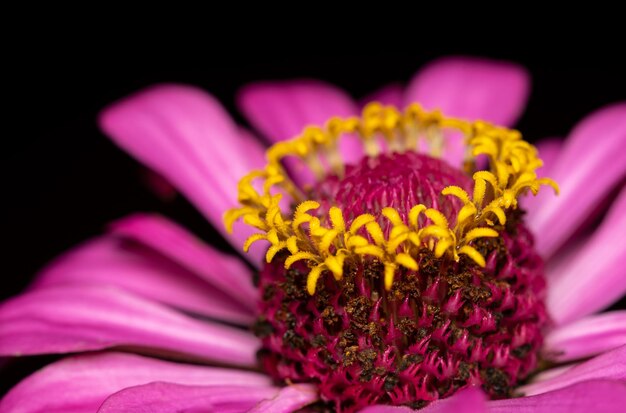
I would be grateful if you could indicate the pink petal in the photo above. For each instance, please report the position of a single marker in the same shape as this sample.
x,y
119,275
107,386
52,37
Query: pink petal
x,y
552,372
224,272
133,267
169,397
289,399
281,110
592,396
75,318
587,337
590,165
185,135
470,400
392,94
470,88
383,408
595,277
610,366
250,138
81,383
549,150
558,264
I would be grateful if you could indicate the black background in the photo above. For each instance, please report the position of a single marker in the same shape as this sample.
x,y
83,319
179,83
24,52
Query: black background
x,y
63,180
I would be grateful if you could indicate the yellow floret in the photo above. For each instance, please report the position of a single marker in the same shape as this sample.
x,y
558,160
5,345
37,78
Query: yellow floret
x,y
323,240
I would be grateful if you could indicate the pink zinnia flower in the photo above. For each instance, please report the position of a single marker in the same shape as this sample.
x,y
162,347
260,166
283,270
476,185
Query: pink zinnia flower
x,y
163,319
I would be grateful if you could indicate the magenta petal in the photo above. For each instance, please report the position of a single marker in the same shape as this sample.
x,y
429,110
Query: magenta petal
x,y
288,399
133,267
558,264
169,397
470,88
383,408
591,163
595,277
75,318
281,110
224,272
81,383
610,366
549,151
552,372
587,337
392,94
470,400
593,396
185,135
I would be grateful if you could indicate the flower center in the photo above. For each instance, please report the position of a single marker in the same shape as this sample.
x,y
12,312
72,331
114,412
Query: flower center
x,y
386,283
439,329
399,181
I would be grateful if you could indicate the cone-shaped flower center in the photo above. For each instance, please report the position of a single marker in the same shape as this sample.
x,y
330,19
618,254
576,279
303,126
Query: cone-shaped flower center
x,y
386,283
399,181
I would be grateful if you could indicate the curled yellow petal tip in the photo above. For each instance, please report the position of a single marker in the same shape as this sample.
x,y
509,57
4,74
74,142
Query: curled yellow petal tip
x,y
328,240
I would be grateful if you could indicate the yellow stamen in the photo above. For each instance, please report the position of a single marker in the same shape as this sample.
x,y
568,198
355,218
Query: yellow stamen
x,y
323,239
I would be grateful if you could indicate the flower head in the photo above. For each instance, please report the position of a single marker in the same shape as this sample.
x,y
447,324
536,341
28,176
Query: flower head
x,y
401,305
399,270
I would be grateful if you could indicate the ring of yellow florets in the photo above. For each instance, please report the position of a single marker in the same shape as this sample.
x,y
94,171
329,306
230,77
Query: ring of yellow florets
x,y
327,243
